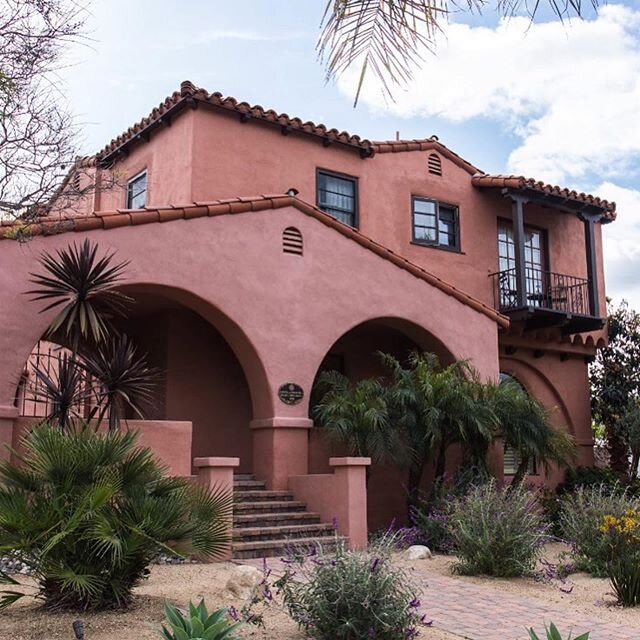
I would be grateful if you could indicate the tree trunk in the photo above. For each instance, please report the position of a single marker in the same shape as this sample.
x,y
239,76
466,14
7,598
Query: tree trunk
x,y
618,452
415,477
521,472
440,464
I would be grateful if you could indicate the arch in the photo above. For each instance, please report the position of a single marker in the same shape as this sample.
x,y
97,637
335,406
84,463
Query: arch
x,y
241,345
527,375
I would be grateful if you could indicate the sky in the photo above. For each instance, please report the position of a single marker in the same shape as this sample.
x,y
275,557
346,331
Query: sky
x,y
558,101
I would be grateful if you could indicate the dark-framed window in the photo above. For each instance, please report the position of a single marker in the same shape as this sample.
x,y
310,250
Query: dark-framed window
x,y
337,194
137,191
435,223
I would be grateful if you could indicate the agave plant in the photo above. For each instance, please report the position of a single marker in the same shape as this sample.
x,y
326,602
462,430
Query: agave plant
x,y
80,286
198,624
552,633
88,512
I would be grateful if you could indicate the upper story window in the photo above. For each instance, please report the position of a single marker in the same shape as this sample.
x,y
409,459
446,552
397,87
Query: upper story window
x,y
338,196
435,223
137,191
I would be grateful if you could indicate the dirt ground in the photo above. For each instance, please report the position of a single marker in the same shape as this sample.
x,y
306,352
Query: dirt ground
x,y
179,583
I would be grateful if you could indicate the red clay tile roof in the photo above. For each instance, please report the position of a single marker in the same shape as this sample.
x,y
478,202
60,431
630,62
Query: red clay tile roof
x,y
134,217
425,144
189,94
520,182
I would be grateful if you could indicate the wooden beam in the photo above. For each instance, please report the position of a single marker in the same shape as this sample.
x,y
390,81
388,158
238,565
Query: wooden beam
x,y
590,220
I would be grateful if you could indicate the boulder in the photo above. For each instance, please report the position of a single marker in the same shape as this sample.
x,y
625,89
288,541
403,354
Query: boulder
x,y
243,580
418,552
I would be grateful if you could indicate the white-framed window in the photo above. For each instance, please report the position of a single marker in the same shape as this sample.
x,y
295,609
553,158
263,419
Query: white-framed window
x,y
137,191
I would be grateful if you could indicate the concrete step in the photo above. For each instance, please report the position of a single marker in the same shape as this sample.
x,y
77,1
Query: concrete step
x,y
243,476
247,485
283,518
274,506
248,534
262,496
271,548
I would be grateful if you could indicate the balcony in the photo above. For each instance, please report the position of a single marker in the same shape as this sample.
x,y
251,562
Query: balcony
x,y
549,300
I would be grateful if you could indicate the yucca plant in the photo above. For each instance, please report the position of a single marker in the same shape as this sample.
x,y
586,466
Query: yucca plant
x,y
198,624
552,633
80,285
125,380
88,512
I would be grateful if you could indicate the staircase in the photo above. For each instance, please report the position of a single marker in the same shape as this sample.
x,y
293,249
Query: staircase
x,y
266,523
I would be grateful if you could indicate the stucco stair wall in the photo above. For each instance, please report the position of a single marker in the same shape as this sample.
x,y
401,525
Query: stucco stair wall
x,y
267,523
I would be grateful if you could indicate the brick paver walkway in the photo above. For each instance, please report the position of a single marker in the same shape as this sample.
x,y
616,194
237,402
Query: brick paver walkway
x,y
480,612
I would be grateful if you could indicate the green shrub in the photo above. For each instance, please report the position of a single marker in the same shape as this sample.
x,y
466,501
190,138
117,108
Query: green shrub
x,y
88,512
581,518
496,532
553,634
197,624
350,595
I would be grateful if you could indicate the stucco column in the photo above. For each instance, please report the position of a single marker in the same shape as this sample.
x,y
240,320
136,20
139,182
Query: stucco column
x,y
280,450
217,473
351,498
8,415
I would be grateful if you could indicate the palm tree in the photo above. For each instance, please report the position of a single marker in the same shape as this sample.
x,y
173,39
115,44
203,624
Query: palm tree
x,y
390,37
524,424
356,416
434,407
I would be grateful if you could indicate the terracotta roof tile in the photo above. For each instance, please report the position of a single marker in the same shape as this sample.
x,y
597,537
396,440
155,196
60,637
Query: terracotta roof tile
x,y
113,219
520,182
190,94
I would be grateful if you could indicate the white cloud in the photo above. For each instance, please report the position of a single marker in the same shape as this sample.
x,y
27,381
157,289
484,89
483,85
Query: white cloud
x,y
622,244
569,92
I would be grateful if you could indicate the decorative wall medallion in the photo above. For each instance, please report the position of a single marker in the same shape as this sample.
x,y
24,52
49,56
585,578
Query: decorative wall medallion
x,y
290,393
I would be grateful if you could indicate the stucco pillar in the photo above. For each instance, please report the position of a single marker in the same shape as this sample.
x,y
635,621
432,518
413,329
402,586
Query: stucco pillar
x,y
280,450
340,497
217,473
351,498
8,415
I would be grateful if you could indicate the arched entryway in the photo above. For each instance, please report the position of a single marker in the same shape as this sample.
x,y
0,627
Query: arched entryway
x,y
355,354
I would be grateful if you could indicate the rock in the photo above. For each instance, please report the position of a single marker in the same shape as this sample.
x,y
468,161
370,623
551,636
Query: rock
x,y
243,580
418,552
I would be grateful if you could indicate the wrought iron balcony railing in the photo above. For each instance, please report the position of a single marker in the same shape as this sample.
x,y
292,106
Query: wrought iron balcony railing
x,y
544,290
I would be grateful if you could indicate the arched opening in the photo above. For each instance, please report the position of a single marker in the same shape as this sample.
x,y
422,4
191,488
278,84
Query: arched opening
x,y
205,380
355,354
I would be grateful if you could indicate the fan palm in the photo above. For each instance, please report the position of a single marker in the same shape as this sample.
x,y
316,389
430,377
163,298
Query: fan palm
x,y
524,424
356,415
88,512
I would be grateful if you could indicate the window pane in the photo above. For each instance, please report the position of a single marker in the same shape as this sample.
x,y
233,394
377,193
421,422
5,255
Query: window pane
x,y
137,192
424,206
421,219
337,196
448,234
425,233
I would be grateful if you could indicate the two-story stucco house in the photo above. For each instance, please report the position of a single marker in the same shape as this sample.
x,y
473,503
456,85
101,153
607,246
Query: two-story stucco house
x,y
263,249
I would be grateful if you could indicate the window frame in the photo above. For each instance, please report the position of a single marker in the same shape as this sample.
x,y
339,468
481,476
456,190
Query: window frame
x,y
356,196
130,181
544,245
457,248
